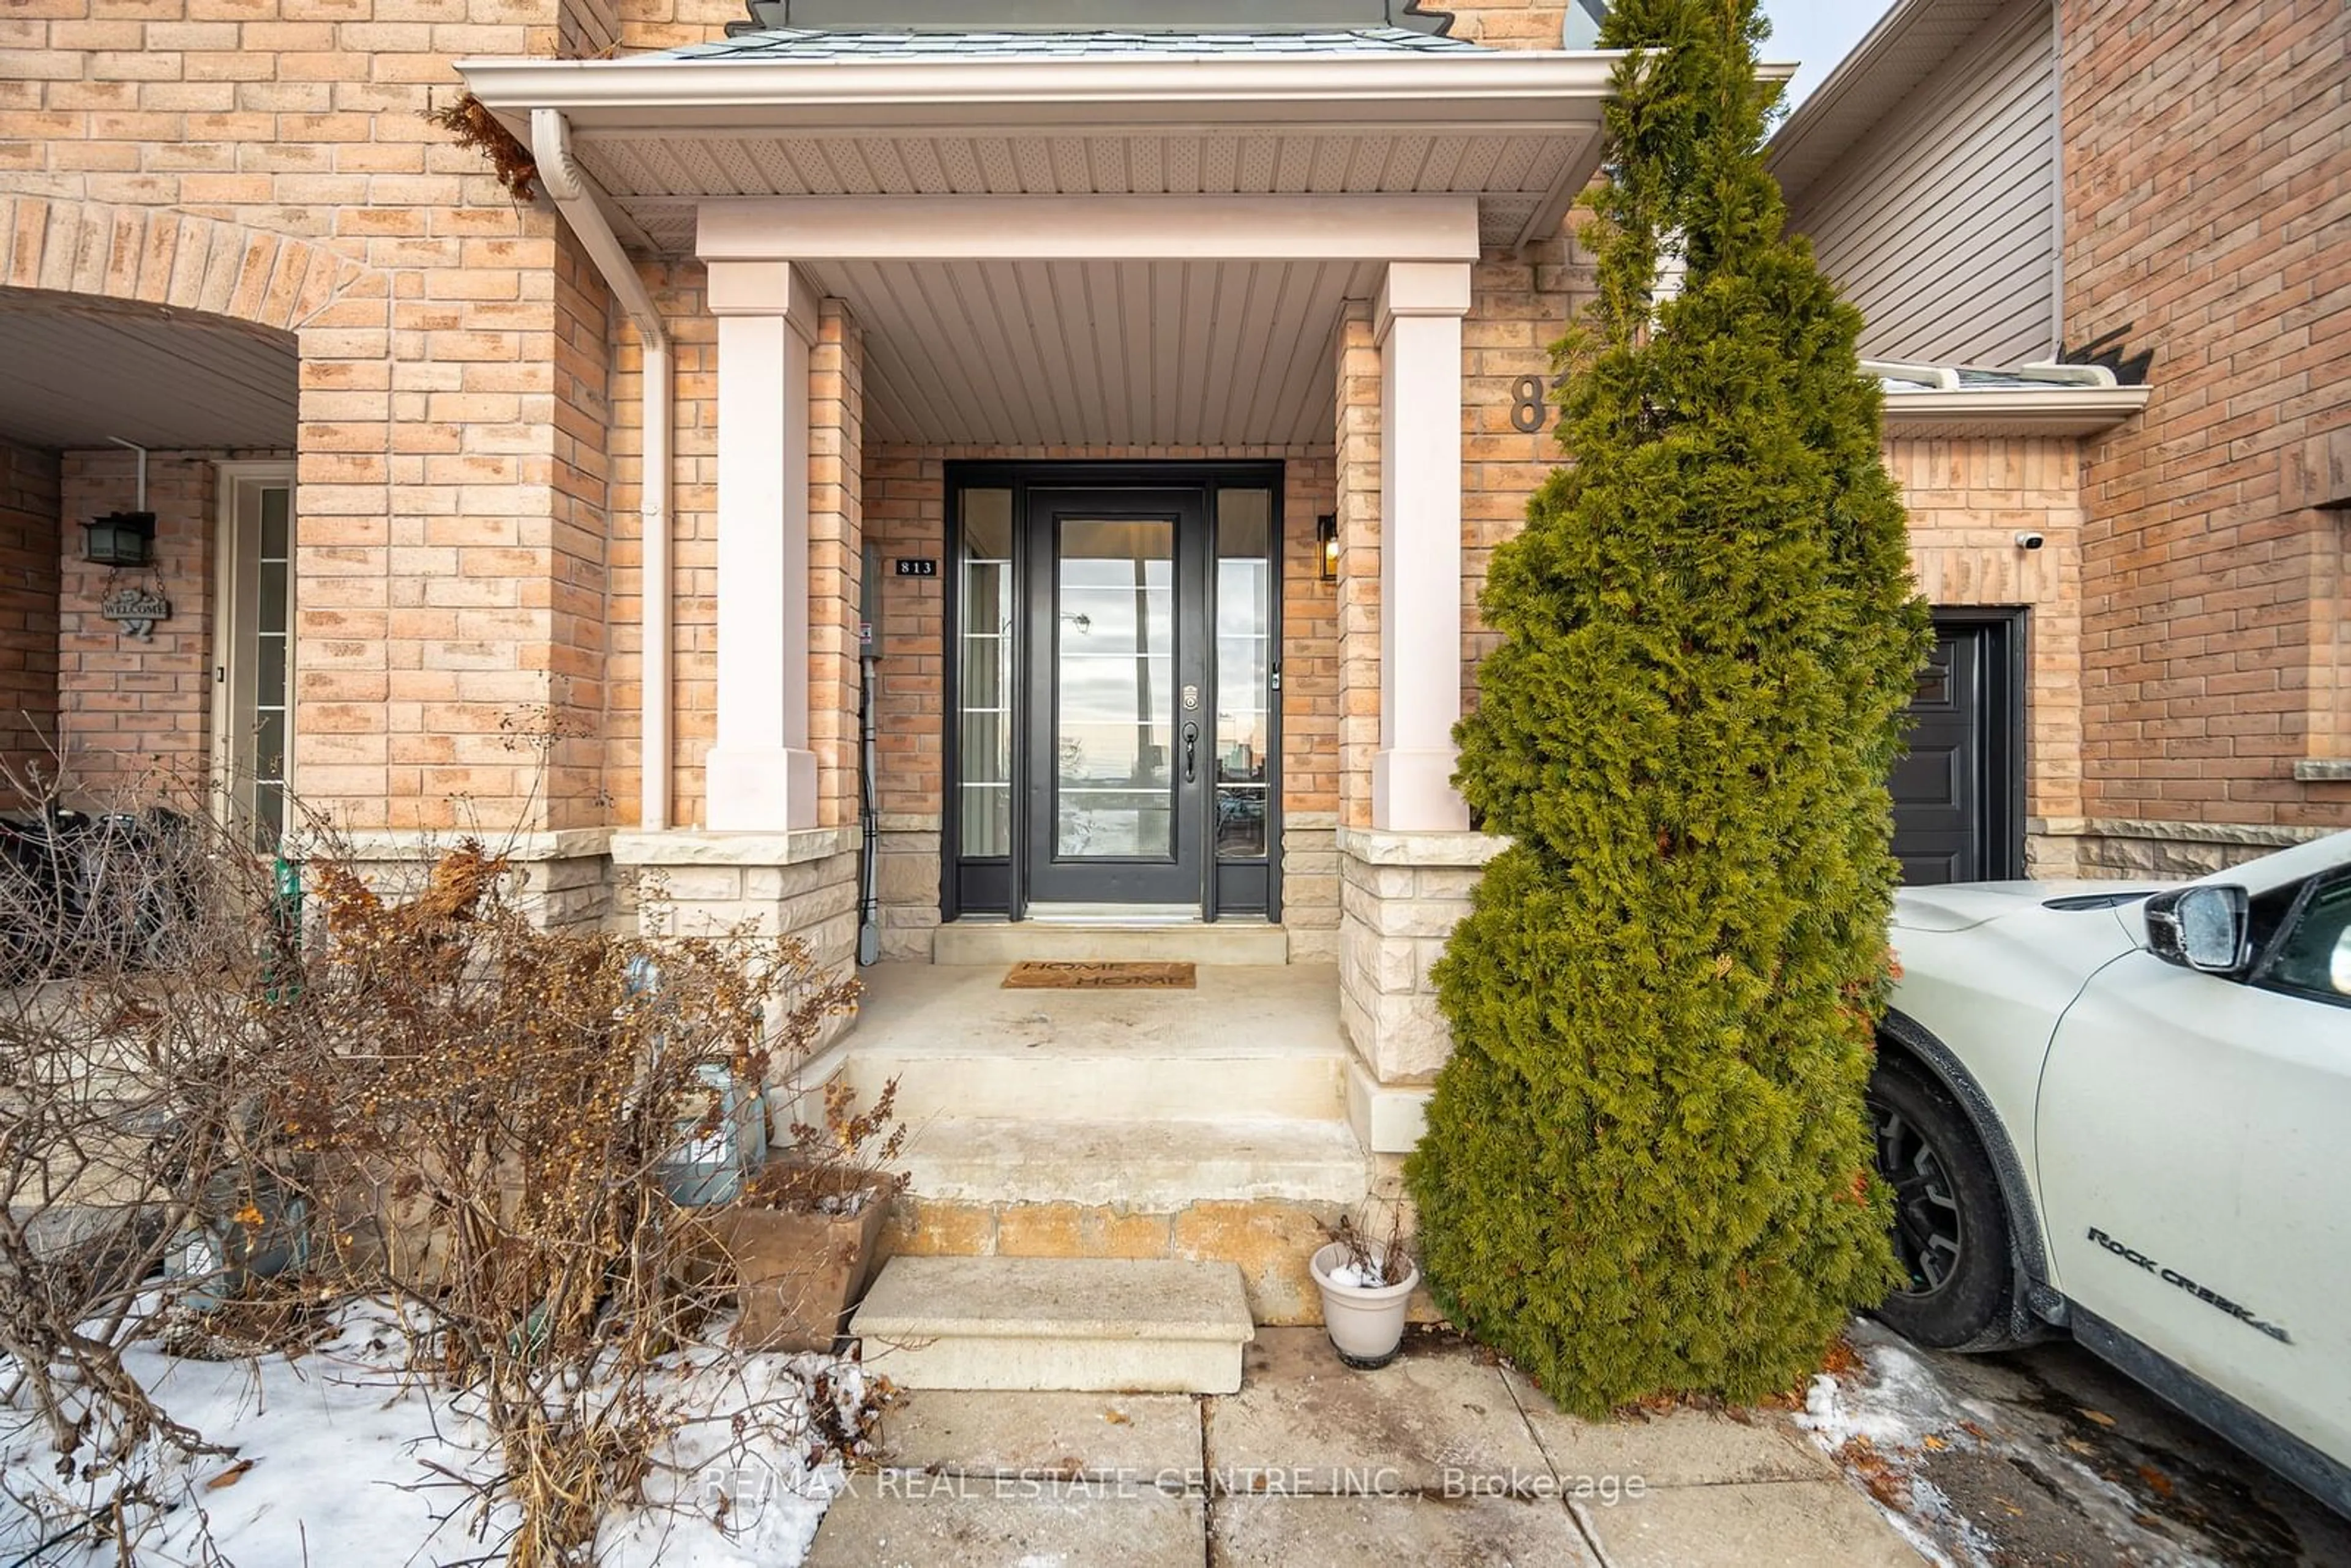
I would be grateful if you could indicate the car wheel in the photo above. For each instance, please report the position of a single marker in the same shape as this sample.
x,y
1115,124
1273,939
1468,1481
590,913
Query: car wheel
x,y
1950,1229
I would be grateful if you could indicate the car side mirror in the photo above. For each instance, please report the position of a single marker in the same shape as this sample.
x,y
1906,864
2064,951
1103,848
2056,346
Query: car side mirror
x,y
2200,928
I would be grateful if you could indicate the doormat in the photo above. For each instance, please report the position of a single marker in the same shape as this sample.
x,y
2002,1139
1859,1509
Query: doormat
x,y
1070,976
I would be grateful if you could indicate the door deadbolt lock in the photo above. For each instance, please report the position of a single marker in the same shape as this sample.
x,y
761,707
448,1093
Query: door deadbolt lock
x,y
1191,699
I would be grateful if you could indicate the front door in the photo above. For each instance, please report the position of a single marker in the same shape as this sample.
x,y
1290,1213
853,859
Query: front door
x,y
1117,665
1113,698
1954,811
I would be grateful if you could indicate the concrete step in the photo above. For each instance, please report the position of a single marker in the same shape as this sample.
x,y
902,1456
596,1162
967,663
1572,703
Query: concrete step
x,y
1145,1166
1048,941
1085,1325
1244,1081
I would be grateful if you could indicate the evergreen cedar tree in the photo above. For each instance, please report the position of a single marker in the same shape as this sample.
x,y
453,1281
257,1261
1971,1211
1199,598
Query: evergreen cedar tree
x,y
1647,1167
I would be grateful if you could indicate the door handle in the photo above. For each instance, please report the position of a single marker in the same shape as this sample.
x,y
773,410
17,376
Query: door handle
x,y
1191,750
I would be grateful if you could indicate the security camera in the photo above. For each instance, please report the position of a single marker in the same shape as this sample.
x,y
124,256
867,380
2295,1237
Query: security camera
x,y
2030,541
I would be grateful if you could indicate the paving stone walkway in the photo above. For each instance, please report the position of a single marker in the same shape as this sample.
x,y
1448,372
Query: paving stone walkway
x,y
1442,1458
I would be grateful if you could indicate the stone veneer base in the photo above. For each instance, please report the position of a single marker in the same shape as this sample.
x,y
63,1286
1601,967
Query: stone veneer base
x,y
2102,847
1400,896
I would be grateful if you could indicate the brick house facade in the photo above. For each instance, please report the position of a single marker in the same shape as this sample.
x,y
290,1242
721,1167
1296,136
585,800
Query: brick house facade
x,y
539,448
2156,191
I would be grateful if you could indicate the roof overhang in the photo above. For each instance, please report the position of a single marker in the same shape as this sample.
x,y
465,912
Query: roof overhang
x,y
1910,41
1519,130
1928,400
2053,412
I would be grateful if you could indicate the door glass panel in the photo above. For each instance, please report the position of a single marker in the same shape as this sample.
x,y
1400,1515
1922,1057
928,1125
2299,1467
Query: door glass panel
x,y
1244,670
983,673
272,652
276,523
1114,672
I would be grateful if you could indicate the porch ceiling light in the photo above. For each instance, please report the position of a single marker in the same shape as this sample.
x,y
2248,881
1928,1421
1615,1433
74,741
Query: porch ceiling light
x,y
119,538
1326,534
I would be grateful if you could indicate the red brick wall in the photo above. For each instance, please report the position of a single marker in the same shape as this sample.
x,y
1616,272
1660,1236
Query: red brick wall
x,y
270,161
1507,24
2206,192
29,528
134,712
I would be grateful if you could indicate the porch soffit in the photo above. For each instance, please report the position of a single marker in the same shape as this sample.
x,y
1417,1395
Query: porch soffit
x,y
1096,320
89,369
1518,130
1099,353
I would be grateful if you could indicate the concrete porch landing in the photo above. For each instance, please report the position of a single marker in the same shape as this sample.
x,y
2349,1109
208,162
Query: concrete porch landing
x,y
1255,1041
1202,1125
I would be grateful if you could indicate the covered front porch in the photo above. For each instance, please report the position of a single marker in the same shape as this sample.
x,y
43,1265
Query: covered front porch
x,y
1119,433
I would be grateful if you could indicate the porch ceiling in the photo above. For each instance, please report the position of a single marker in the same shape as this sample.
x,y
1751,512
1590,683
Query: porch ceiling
x,y
83,370
654,182
1101,353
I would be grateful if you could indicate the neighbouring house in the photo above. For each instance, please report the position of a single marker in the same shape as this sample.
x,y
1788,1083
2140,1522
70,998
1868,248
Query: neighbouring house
x,y
2160,189
1118,402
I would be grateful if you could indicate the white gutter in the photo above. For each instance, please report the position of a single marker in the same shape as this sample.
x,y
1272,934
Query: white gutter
x,y
2057,411
568,186
716,91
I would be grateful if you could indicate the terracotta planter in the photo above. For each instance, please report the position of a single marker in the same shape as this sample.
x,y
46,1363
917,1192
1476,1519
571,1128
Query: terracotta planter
x,y
798,1272
1365,1324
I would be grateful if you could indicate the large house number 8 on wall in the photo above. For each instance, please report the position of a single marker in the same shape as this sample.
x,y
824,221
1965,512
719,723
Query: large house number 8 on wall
x,y
1530,411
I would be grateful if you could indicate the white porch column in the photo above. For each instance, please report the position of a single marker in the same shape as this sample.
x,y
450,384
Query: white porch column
x,y
761,775
1418,328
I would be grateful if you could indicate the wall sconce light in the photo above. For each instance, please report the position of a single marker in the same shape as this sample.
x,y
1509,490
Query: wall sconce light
x,y
122,538
1326,534
119,538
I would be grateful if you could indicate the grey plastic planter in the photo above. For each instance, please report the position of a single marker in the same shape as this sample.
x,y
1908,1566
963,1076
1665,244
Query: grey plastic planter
x,y
1366,1326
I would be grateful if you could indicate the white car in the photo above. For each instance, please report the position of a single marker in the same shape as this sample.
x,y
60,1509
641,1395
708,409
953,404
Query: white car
x,y
2126,1112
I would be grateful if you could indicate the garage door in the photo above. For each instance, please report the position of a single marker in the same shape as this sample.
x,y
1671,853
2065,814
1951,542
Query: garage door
x,y
1957,815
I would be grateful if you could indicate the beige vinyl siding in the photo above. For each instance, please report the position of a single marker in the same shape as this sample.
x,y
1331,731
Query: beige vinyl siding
x,y
1941,222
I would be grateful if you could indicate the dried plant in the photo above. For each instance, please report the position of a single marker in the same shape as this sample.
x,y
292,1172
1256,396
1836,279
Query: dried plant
x,y
846,1162
136,1029
1381,1254
428,1097
474,126
490,1109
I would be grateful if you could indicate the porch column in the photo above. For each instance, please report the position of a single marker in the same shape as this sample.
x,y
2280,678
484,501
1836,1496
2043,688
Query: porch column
x,y
761,775
1417,326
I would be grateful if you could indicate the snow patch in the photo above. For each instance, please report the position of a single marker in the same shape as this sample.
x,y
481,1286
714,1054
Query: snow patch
x,y
342,1457
1899,1405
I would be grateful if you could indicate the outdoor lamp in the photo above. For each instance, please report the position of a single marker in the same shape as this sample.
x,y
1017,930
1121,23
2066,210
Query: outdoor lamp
x,y
1326,534
119,538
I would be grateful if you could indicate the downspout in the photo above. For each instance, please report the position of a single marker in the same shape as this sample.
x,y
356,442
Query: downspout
x,y
567,186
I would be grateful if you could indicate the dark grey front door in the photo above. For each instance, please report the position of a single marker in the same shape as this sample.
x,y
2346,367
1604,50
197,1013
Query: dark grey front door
x,y
1120,739
1954,817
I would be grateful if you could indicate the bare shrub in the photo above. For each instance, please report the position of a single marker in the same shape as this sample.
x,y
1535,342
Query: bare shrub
x,y
224,1103
138,953
491,1113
